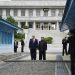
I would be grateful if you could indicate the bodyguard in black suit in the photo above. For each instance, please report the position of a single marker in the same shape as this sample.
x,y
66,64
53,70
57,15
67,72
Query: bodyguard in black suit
x,y
22,46
64,42
42,49
15,46
33,45
71,41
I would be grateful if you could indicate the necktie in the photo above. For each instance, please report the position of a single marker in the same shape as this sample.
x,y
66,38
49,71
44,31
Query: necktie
x,y
33,40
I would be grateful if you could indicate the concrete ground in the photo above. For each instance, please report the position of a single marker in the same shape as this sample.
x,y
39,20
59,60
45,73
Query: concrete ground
x,y
24,65
49,57
11,56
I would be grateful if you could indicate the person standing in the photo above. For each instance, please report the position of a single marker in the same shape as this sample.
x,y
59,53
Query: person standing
x,y
33,45
71,41
42,49
22,46
15,46
64,42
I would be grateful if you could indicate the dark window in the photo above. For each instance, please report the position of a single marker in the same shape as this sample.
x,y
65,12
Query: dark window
x,y
30,24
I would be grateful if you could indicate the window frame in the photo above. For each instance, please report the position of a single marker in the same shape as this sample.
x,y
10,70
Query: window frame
x,y
22,12
7,12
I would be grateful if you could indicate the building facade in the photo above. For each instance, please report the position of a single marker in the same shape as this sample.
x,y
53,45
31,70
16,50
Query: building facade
x,y
36,14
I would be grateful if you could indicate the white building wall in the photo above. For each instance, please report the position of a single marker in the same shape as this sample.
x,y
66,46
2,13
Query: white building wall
x,y
42,13
40,3
34,12
4,13
49,12
33,5
19,13
26,12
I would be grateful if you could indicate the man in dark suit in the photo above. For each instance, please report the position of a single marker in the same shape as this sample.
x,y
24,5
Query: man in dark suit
x,y
64,42
15,46
33,45
22,46
71,41
42,49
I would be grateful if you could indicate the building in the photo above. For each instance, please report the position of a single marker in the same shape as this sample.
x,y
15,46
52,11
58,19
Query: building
x,y
41,16
7,36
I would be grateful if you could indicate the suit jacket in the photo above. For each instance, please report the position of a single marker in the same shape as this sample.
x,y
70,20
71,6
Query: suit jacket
x,y
42,46
22,42
15,45
33,45
71,41
64,42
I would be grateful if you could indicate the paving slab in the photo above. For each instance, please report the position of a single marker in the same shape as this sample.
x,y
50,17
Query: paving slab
x,y
10,56
48,57
29,68
24,66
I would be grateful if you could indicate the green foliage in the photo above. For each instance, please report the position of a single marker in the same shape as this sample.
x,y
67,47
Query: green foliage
x,y
48,40
11,20
26,27
20,36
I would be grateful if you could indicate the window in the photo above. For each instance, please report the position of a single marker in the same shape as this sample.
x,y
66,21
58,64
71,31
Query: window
x,y
46,12
10,38
22,24
46,25
37,12
60,12
38,25
15,12
30,13
22,12
53,12
30,24
3,38
6,38
53,25
0,12
7,12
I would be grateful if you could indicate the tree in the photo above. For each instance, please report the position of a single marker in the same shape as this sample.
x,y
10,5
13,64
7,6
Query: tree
x,y
11,20
20,36
49,40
